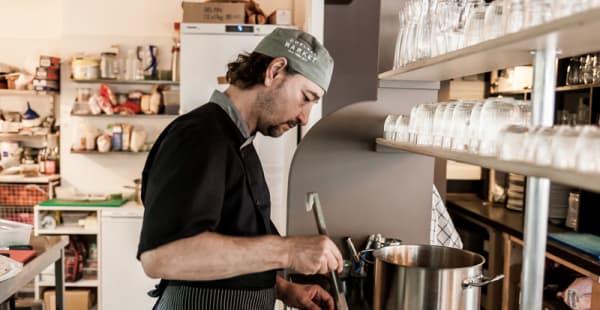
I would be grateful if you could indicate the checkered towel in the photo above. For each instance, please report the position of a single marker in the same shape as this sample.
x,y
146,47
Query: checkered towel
x,y
442,228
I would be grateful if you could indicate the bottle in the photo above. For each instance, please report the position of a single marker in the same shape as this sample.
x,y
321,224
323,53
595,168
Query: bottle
x,y
51,159
132,67
42,158
51,162
175,54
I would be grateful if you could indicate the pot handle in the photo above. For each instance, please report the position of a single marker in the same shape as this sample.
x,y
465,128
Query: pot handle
x,y
480,281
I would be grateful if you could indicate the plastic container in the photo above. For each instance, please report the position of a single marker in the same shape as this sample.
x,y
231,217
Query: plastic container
x,y
85,69
14,233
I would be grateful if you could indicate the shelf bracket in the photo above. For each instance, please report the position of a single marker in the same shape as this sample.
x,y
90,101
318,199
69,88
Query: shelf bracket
x,y
538,189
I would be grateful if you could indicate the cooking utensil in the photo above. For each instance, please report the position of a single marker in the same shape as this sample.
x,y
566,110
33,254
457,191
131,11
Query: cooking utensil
x,y
409,277
313,204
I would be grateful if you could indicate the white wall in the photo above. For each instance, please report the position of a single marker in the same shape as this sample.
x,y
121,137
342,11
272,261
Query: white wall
x,y
68,27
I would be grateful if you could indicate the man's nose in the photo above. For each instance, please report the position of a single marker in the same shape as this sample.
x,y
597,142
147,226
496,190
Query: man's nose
x,y
304,114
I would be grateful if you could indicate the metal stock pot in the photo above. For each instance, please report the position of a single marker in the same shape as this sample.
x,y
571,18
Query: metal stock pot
x,y
427,277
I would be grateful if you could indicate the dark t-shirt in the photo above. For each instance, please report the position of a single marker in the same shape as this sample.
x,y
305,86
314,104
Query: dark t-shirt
x,y
201,176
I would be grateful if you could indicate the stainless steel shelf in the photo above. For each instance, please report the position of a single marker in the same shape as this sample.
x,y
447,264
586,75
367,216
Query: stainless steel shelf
x,y
575,35
568,177
128,82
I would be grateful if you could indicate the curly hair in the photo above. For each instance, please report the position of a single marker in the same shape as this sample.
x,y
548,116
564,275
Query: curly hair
x,y
249,70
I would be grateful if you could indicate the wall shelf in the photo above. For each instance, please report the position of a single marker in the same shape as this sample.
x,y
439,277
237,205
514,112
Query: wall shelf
x,y
576,34
80,283
126,115
576,87
21,135
14,92
17,178
128,82
108,153
68,230
567,177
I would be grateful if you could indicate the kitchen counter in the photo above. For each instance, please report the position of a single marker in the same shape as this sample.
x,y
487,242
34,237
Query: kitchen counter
x,y
511,222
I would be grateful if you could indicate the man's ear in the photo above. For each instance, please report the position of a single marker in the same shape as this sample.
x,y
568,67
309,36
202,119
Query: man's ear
x,y
275,70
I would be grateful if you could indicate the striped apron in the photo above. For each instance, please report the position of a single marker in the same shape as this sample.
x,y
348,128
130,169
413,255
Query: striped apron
x,y
181,297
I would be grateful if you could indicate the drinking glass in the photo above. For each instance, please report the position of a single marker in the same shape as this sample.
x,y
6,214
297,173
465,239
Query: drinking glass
x,y
438,124
538,146
563,146
524,112
412,125
511,141
474,123
495,115
587,150
424,125
538,12
475,23
573,71
447,125
459,130
389,127
515,16
562,8
493,24
401,129
587,71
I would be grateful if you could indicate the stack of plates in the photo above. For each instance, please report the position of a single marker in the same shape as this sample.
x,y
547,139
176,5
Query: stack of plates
x,y
559,203
516,192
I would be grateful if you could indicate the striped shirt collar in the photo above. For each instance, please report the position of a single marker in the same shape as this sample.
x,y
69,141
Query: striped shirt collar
x,y
225,103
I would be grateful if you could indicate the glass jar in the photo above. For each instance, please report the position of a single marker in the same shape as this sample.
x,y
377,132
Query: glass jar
x,y
107,65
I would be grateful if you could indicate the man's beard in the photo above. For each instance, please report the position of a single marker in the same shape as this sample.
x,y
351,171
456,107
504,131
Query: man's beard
x,y
272,131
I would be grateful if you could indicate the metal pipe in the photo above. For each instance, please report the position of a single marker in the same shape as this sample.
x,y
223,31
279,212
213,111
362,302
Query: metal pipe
x,y
538,189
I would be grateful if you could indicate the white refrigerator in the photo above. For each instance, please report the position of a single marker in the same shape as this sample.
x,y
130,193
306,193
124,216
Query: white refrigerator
x,y
124,283
206,49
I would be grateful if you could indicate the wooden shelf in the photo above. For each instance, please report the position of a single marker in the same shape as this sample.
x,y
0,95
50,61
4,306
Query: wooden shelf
x,y
582,180
126,115
80,283
34,180
14,92
128,82
108,153
576,87
68,230
511,222
20,135
575,35
512,92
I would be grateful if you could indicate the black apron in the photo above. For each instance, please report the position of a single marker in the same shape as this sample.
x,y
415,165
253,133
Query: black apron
x,y
181,297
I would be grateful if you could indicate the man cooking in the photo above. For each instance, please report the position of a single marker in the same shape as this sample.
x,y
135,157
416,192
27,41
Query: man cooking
x,y
207,231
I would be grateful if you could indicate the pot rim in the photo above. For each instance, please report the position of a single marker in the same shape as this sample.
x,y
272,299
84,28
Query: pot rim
x,y
377,258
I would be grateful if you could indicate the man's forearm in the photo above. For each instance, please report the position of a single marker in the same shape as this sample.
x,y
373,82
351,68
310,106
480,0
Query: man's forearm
x,y
211,256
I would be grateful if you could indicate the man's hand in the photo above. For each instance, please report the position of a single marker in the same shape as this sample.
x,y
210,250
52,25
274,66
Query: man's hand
x,y
313,254
311,297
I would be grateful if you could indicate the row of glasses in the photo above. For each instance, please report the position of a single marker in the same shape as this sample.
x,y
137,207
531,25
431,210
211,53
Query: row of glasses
x,y
563,146
428,28
583,70
464,125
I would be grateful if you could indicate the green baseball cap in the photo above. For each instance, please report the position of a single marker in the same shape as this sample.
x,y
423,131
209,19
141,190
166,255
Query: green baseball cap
x,y
304,53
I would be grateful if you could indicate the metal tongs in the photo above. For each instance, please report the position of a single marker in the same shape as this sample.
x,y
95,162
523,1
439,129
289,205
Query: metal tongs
x,y
313,204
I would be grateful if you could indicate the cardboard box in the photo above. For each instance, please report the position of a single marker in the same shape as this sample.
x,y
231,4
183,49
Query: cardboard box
x,y
280,17
80,299
214,12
